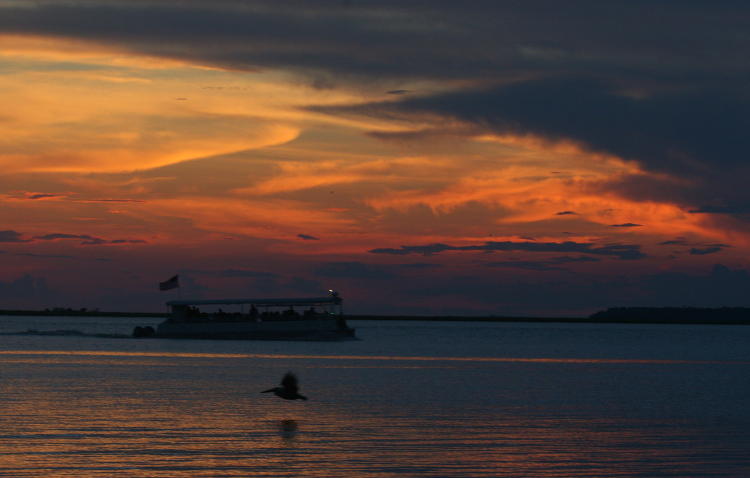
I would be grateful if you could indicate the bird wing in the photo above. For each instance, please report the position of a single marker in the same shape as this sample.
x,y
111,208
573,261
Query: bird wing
x,y
289,382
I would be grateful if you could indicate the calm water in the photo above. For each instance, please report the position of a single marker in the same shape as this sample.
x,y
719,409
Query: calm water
x,y
409,399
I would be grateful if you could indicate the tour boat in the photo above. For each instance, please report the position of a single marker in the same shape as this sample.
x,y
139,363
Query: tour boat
x,y
317,318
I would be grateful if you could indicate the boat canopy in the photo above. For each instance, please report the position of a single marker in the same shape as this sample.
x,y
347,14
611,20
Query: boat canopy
x,y
260,302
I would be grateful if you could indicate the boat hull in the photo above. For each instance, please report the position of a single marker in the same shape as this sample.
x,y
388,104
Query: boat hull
x,y
312,329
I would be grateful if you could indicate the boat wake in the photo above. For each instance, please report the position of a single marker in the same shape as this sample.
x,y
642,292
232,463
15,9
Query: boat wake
x,y
67,333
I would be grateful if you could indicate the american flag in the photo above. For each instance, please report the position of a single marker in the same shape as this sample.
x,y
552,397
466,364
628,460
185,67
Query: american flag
x,y
172,283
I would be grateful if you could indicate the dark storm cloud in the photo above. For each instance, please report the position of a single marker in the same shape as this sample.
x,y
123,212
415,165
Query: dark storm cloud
x,y
719,189
438,38
698,134
666,131
736,196
620,251
362,39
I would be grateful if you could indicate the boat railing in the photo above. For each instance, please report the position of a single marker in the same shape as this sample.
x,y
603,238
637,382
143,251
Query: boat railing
x,y
183,313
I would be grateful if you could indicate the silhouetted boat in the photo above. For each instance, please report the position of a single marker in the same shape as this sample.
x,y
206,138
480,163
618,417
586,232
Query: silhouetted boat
x,y
317,318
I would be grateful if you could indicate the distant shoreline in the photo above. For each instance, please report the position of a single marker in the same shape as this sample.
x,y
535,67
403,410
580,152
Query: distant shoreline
x,y
564,320
81,313
622,315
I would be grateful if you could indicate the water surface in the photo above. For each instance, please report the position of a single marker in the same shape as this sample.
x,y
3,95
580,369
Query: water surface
x,y
436,399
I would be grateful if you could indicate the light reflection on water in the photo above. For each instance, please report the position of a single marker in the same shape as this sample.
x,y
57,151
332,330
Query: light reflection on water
x,y
417,358
104,407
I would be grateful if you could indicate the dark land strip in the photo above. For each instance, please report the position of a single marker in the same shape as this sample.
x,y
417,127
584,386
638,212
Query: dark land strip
x,y
619,315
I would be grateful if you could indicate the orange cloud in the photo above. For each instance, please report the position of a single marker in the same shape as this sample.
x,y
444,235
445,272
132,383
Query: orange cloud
x,y
269,219
76,106
82,108
528,186
130,143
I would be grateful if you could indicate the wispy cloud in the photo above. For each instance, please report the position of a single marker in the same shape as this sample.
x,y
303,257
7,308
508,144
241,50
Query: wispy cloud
x,y
308,237
11,236
42,195
55,236
674,242
86,239
702,251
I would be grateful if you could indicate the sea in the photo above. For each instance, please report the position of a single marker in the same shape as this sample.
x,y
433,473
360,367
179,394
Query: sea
x,y
80,397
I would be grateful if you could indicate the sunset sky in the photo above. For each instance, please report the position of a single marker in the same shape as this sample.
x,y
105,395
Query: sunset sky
x,y
422,157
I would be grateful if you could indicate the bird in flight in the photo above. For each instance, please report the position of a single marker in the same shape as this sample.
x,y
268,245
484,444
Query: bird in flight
x,y
289,390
